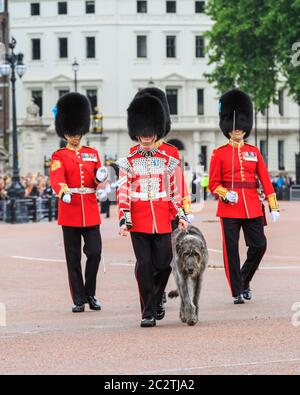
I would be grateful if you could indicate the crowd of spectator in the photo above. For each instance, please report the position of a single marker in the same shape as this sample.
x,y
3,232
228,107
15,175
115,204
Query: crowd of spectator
x,y
36,185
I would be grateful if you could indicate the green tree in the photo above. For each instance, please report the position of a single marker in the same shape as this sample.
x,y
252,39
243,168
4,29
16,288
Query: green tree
x,y
241,47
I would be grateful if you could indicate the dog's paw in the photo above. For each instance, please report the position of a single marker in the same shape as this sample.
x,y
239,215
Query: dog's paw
x,y
182,318
192,321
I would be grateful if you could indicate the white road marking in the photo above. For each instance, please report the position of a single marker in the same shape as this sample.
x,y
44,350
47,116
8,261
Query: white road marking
x,y
29,258
207,367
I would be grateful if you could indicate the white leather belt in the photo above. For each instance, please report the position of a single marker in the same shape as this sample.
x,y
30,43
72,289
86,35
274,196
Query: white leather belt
x,y
148,196
82,191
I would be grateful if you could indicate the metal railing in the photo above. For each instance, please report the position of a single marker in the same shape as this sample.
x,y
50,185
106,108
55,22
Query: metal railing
x,y
35,209
295,193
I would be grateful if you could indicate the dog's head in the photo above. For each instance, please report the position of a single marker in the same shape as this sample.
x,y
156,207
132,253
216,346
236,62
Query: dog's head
x,y
192,254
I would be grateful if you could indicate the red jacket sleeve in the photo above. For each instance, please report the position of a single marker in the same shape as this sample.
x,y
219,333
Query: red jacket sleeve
x,y
175,195
57,175
265,179
215,176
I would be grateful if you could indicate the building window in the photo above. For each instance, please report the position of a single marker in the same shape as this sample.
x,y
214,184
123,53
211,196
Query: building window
x,y
172,96
63,48
90,7
281,102
90,47
37,96
36,49
1,102
62,8
35,9
93,98
203,157
200,101
63,92
200,47
171,7
141,46
171,46
142,7
281,155
263,148
199,7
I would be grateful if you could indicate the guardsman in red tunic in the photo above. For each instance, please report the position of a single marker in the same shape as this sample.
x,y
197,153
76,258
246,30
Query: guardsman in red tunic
x,y
148,199
235,171
170,150
75,173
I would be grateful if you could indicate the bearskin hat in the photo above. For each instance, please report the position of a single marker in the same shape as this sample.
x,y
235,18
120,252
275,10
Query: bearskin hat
x,y
153,91
146,117
238,101
73,115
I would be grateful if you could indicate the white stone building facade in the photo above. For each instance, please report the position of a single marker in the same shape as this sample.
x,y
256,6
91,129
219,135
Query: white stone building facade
x,y
114,63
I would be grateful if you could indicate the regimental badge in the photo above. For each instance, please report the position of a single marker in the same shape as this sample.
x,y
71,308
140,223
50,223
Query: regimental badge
x,y
89,157
250,156
56,164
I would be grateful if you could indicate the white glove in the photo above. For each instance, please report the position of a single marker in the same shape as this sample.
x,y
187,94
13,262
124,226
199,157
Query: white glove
x,y
232,197
275,216
67,198
102,174
190,218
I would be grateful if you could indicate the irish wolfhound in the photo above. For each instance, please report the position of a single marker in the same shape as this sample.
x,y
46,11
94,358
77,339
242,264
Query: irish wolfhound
x,y
190,257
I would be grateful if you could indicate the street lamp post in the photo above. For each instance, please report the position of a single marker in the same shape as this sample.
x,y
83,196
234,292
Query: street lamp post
x,y
75,66
14,66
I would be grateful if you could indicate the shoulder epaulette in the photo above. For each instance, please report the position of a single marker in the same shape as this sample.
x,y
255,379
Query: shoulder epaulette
x,y
221,146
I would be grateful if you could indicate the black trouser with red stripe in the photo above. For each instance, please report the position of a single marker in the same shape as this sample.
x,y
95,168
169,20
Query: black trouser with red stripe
x,y
81,289
239,278
154,255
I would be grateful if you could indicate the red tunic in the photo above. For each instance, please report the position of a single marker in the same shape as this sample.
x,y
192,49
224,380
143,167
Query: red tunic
x,y
76,169
148,191
171,150
249,167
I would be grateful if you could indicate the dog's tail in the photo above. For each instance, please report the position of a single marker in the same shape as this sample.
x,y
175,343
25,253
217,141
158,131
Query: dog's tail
x,y
173,294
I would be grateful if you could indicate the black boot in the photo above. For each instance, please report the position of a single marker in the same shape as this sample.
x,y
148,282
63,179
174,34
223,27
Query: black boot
x,y
239,300
148,322
247,294
160,312
78,308
93,303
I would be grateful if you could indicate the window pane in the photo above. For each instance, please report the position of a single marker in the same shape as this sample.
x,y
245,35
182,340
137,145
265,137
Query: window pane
x,y
63,48
36,49
263,148
281,102
203,157
62,8
37,96
200,47
171,46
199,7
281,155
142,7
172,96
141,46
90,7
171,7
90,47
93,98
35,9
200,102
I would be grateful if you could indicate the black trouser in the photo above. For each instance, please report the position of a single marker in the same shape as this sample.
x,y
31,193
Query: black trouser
x,y
81,289
105,208
153,268
239,279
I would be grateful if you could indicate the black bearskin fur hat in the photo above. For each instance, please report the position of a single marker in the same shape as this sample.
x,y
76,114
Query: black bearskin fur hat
x,y
146,117
238,101
153,91
73,115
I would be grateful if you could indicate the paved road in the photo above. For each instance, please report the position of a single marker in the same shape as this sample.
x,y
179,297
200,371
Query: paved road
x,y
42,336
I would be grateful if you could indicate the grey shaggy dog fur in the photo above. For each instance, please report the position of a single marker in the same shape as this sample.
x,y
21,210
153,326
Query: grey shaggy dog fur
x,y
190,257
